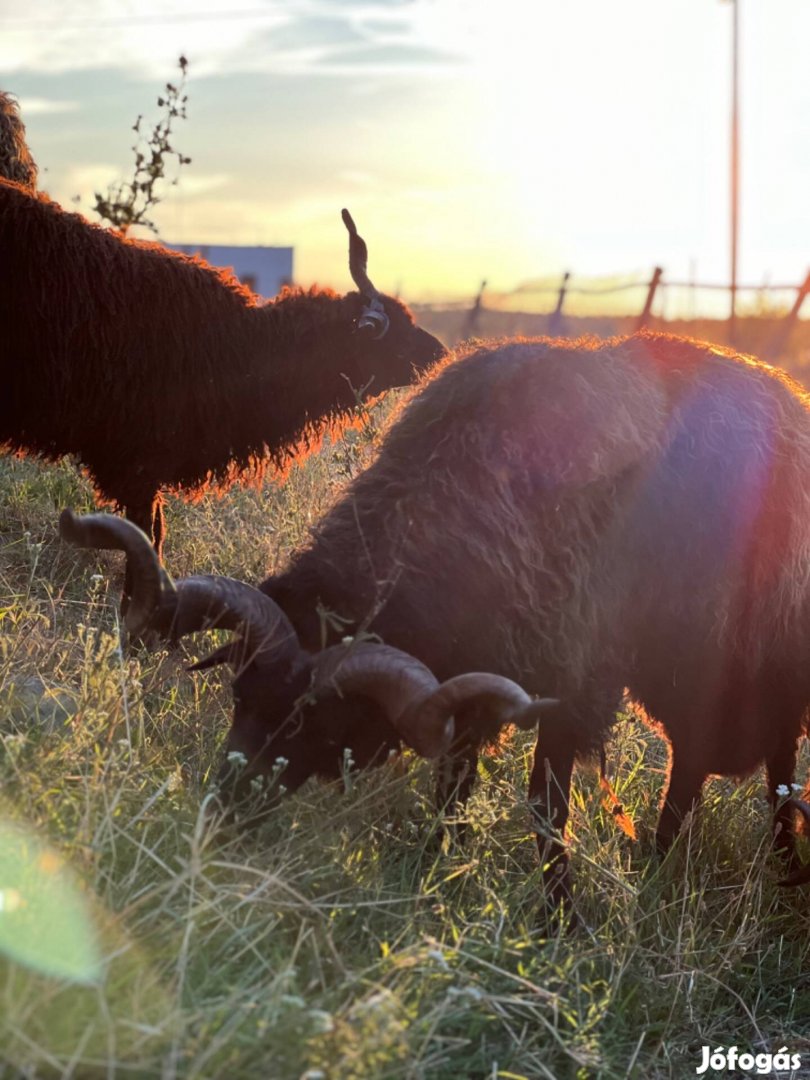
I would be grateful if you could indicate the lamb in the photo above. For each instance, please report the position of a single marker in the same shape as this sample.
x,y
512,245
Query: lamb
x,y
161,373
576,517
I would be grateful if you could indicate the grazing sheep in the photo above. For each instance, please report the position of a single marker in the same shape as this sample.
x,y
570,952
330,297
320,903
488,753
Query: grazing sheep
x,y
159,372
16,162
576,517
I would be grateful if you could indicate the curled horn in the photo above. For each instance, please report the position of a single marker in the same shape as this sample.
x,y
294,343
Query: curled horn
x,y
195,603
105,532
222,603
802,875
373,319
506,699
418,706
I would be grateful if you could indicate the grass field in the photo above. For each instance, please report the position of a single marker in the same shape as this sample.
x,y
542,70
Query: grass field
x,y
336,941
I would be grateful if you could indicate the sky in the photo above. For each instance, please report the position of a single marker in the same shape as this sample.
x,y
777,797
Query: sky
x,y
471,139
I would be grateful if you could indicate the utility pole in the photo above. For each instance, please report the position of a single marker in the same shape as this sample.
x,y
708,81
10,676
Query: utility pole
x,y
735,164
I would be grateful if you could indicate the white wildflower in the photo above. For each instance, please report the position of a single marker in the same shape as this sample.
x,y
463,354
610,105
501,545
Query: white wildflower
x,y
236,757
783,790
321,1021
438,956
465,991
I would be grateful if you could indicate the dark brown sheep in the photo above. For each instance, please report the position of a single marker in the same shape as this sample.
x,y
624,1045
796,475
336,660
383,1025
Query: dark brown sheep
x,y
159,372
16,162
576,517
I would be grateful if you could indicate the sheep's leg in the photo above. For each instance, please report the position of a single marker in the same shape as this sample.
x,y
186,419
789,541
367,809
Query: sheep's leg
x,y
781,769
148,516
455,778
558,742
549,787
687,774
158,527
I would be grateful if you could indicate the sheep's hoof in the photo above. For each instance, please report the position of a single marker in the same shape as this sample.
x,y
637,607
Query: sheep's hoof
x,y
557,913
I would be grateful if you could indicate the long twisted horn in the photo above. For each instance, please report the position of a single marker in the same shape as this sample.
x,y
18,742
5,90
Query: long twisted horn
x,y
509,701
222,603
195,603
373,318
108,532
417,705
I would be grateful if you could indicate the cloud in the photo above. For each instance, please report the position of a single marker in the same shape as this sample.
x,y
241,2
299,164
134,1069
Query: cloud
x,y
96,34
293,37
83,180
192,186
388,58
34,106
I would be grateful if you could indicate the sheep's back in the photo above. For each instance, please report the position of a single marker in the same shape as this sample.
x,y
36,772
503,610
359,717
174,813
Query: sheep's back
x,y
105,335
549,509
716,550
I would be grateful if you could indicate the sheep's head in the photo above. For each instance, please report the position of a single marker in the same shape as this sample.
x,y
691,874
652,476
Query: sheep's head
x,y
297,713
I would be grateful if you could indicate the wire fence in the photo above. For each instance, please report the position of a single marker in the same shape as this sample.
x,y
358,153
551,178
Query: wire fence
x,y
767,318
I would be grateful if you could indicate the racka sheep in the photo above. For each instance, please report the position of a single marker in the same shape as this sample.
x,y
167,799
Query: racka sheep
x,y
16,162
576,517
160,372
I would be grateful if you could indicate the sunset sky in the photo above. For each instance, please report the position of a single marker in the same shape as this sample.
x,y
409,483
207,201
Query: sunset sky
x,y
470,139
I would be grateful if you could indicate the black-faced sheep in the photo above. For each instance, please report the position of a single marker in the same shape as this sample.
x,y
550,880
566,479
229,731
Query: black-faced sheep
x,y
16,162
577,518
160,372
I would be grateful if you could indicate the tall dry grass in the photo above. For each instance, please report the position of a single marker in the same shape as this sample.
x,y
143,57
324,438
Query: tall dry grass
x,y
338,940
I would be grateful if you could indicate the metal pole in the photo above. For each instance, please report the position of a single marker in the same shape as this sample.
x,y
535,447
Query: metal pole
x,y
779,339
735,166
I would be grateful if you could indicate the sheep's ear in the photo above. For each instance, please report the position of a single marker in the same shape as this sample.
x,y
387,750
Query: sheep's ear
x,y
373,321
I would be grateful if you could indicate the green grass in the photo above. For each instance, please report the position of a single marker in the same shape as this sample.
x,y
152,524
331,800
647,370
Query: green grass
x,y
337,941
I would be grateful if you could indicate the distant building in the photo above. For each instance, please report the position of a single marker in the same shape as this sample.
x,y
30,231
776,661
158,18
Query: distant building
x,y
263,269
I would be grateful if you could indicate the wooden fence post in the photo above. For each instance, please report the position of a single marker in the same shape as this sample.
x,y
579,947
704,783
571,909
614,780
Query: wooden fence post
x,y
473,315
655,281
780,337
555,321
